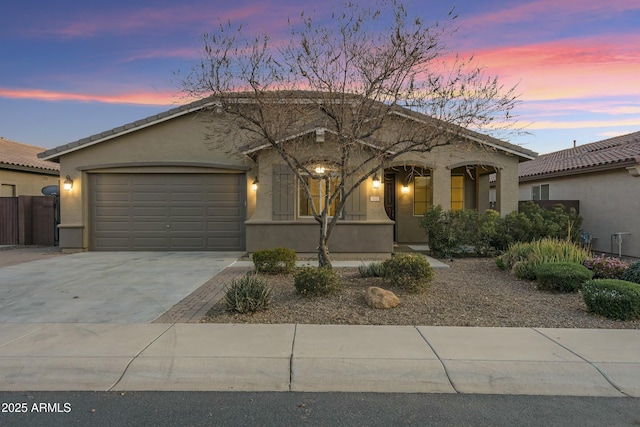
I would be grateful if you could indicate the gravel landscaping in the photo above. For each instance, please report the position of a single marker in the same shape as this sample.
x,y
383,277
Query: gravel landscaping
x,y
473,292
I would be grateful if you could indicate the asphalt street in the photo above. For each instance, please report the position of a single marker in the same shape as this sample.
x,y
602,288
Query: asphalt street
x,y
311,409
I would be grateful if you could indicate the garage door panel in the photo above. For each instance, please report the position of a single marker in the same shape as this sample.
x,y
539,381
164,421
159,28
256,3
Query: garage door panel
x,y
113,241
112,196
186,226
194,211
167,211
113,227
148,226
115,211
149,196
219,226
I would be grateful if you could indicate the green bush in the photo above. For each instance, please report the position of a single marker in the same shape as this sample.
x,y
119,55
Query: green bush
x,y
616,299
248,294
455,232
516,252
274,261
459,231
524,270
532,222
311,281
562,276
373,269
524,258
632,274
411,272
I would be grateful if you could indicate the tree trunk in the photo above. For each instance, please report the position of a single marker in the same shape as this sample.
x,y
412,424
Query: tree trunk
x,y
323,249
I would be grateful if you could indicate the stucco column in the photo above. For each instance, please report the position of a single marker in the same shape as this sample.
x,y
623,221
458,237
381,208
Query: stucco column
x,y
442,187
507,190
482,192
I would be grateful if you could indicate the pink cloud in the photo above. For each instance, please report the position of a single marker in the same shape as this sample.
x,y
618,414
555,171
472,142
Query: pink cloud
x,y
139,98
578,68
582,124
177,18
551,12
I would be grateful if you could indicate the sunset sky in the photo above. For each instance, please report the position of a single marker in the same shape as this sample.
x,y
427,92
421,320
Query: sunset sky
x,y
71,69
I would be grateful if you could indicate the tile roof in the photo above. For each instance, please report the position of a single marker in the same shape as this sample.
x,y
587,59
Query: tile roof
x,y
24,156
610,153
54,153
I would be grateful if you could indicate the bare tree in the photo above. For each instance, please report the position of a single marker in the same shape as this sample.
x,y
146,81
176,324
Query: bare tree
x,y
348,76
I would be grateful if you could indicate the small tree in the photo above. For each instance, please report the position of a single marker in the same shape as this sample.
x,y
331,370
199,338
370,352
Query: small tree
x,y
347,77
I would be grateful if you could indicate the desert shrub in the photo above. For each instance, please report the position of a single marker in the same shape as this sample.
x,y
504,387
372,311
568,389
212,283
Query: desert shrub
x,y
516,252
274,261
562,276
524,258
248,294
524,270
459,231
456,232
616,299
373,269
411,272
605,267
632,274
532,222
500,263
312,281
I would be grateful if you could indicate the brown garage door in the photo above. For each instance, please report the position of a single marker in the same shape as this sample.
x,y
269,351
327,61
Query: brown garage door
x,y
182,212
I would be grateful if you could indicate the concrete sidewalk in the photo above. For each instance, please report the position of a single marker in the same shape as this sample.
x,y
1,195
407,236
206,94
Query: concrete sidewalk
x,y
423,359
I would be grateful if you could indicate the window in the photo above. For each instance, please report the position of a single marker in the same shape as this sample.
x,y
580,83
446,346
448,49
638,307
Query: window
x,y
457,192
317,189
540,192
422,190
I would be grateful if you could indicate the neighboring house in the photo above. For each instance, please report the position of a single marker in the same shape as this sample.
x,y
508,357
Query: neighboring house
x,y
22,173
156,184
604,177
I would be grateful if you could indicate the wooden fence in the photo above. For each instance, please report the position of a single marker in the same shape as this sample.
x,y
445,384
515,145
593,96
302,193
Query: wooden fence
x,y
28,220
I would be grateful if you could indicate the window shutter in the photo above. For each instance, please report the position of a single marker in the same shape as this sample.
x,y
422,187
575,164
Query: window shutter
x,y
283,195
355,208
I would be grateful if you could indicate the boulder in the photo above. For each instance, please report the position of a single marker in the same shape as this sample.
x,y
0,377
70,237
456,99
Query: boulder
x,y
381,298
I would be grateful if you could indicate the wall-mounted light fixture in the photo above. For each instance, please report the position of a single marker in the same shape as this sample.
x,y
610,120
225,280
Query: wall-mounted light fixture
x,y
405,188
254,184
320,169
68,183
376,181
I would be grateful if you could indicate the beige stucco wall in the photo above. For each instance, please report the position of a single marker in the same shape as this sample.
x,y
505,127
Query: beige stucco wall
x,y
371,235
609,203
175,146
26,183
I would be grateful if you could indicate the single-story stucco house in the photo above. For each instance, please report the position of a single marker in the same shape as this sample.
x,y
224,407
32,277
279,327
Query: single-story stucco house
x,y
604,176
157,184
22,173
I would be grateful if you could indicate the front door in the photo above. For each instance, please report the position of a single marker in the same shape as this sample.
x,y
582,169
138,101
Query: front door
x,y
390,198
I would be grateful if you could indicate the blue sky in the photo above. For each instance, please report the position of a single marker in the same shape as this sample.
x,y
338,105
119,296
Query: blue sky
x,y
71,69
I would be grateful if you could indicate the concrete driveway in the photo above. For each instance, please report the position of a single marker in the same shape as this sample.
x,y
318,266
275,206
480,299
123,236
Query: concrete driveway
x,y
104,287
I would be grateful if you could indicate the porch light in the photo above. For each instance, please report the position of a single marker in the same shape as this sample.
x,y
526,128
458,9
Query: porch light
x,y
405,188
68,183
376,181
319,169
254,184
